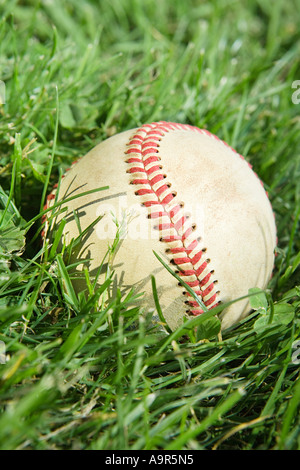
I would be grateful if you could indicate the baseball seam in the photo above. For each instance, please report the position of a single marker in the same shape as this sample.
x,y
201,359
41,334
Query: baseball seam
x,y
175,228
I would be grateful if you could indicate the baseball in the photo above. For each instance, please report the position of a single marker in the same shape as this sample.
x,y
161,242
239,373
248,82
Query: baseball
x,y
178,191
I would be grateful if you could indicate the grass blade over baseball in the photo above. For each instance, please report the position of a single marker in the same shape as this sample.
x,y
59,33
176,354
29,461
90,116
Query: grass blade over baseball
x,y
180,280
60,203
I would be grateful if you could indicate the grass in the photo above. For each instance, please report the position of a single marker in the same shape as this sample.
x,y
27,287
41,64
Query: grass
x,y
76,376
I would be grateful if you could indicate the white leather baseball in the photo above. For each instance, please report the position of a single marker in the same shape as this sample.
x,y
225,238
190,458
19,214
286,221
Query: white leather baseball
x,y
182,192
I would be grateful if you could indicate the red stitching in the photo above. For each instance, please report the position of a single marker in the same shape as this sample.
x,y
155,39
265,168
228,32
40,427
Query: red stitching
x,y
167,199
171,239
150,203
144,159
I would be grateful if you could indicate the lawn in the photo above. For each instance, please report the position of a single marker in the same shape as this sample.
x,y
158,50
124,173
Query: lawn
x,y
74,375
